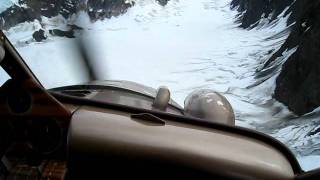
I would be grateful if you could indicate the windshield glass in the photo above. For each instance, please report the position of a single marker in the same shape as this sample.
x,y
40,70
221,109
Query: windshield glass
x,y
259,58
3,76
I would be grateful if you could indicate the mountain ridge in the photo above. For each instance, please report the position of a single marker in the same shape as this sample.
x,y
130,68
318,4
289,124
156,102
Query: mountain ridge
x,y
298,85
30,10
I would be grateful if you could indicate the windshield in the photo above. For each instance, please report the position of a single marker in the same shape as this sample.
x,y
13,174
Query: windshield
x,y
257,54
3,76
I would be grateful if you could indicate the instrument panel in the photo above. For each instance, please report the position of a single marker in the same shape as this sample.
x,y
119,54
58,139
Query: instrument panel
x,y
37,146
34,127
44,136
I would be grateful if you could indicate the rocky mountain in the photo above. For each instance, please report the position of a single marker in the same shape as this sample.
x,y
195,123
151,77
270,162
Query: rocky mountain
x,y
29,10
298,85
162,2
258,9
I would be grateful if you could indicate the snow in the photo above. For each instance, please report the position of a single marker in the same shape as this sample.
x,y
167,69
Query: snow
x,y
186,46
3,76
5,4
309,162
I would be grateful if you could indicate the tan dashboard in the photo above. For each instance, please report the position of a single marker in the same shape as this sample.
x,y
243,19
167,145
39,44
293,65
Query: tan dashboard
x,y
110,134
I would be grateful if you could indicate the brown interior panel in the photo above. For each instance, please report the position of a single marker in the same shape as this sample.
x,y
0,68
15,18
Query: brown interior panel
x,y
27,98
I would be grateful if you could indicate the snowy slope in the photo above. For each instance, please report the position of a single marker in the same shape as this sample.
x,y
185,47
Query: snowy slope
x,y
185,45
7,3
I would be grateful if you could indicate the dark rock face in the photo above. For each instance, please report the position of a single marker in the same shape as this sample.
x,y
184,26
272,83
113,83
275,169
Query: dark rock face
x,y
15,15
256,9
298,85
101,9
163,2
58,32
73,29
39,35
30,10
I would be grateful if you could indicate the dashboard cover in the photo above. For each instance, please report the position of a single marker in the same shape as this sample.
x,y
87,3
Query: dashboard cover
x,y
113,142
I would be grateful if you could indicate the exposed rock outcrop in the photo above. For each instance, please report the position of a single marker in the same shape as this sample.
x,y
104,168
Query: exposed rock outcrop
x,y
298,85
106,8
39,35
70,33
257,9
61,33
29,10
163,2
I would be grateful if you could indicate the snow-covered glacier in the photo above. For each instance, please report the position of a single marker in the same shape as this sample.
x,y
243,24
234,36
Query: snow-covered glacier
x,y
185,45
7,3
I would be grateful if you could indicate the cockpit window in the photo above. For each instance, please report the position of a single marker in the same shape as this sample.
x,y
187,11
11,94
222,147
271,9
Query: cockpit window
x,y
264,60
3,76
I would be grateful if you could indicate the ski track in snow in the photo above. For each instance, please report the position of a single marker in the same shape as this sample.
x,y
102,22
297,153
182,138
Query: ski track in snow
x,y
186,45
